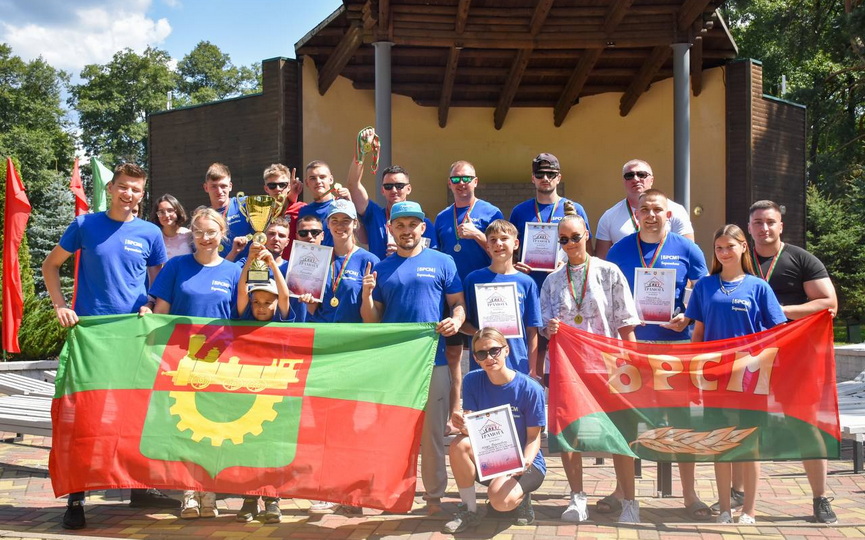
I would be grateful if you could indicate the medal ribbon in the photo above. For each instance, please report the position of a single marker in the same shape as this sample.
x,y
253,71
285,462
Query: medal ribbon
x,y
771,266
631,215
338,279
363,147
466,217
655,256
579,301
552,213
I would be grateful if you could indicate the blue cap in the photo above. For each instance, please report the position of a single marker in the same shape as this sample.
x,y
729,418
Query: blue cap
x,y
342,206
406,209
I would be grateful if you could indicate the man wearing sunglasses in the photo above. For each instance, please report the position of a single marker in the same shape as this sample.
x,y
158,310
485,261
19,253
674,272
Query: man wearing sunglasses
x,y
621,219
280,180
459,232
395,187
547,207
309,230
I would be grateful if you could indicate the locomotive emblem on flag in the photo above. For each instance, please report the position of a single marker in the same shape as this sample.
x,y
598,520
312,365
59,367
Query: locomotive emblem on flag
x,y
222,401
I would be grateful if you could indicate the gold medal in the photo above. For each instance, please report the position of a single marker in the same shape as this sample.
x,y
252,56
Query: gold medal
x,y
578,319
457,248
334,301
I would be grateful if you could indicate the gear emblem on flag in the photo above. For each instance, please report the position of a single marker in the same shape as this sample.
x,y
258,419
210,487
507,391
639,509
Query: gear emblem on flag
x,y
202,427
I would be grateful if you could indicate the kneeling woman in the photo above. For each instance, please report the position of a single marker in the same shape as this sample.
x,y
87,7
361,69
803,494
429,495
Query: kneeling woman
x,y
498,385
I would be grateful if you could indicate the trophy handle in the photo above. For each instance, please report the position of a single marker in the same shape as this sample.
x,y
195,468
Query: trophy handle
x,y
241,206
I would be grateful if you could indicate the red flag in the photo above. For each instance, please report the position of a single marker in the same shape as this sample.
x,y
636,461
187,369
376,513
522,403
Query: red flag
x,y
17,212
769,395
81,207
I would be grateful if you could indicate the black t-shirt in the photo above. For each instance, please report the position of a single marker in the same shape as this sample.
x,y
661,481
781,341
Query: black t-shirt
x,y
795,267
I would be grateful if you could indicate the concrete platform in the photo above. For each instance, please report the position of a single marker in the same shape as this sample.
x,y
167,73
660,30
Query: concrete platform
x,y
28,509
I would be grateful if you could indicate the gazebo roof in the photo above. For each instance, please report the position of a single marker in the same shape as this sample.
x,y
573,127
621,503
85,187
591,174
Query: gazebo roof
x,y
517,53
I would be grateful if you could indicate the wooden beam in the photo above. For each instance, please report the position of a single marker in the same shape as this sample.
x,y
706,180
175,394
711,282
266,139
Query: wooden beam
x,y
462,16
542,9
511,85
615,13
697,66
644,78
689,13
522,40
575,84
448,85
383,16
339,58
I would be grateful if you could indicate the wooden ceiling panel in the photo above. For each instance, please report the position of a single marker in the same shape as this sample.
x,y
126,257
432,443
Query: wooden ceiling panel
x,y
517,53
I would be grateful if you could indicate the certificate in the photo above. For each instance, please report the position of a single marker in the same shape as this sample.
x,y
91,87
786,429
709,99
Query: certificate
x,y
499,306
308,267
495,443
540,246
655,294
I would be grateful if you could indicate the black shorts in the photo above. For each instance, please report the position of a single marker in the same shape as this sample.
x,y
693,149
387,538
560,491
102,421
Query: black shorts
x,y
529,481
457,339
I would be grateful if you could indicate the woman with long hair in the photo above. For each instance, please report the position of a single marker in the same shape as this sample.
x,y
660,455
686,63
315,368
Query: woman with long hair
x,y
733,302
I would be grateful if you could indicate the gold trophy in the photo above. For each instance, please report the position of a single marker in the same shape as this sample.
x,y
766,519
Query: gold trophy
x,y
259,211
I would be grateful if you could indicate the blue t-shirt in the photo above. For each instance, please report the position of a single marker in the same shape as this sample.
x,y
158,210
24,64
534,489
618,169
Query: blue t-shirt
x,y
196,290
114,260
374,221
277,315
750,307
237,226
530,311
550,213
525,396
471,255
414,289
348,292
679,254
299,309
319,210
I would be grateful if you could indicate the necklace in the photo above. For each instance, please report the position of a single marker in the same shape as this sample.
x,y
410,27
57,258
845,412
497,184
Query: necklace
x,y
771,269
552,212
730,290
657,252
579,300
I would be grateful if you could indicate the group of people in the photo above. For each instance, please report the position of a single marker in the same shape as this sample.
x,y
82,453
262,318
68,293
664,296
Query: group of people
x,y
419,270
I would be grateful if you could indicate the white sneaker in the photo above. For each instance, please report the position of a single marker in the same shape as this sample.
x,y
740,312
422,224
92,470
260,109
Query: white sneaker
x,y
746,519
323,507
208,504
190,507
725,517
576,510
630,511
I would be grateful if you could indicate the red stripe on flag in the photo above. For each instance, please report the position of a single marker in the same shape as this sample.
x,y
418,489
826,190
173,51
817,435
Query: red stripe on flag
x,y
357,453
16,214
81,208
790,372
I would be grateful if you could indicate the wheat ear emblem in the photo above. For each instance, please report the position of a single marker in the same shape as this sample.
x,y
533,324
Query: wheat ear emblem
x,y
671,440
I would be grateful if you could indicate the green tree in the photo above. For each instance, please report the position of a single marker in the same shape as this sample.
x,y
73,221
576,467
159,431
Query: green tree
x,y
33,125
840,243
114,100
207,74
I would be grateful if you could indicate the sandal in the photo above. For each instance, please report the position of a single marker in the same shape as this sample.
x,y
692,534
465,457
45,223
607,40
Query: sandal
x,y
609,505
698,511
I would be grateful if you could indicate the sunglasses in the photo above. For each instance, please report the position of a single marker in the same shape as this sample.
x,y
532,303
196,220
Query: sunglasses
x,y
493,352
563,240
550,175
398,187
309,232
277,185
641,174
455,180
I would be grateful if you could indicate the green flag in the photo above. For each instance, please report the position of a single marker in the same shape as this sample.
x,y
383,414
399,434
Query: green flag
x,y
101,176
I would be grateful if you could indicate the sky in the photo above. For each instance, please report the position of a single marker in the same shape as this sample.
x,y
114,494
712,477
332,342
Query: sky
x,y
70,34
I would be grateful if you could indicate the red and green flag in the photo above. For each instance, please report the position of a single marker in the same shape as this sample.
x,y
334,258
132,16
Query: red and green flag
x,y
323,412
766,396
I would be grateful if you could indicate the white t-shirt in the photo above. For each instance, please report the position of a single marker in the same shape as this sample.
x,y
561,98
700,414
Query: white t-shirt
x,y
617,223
